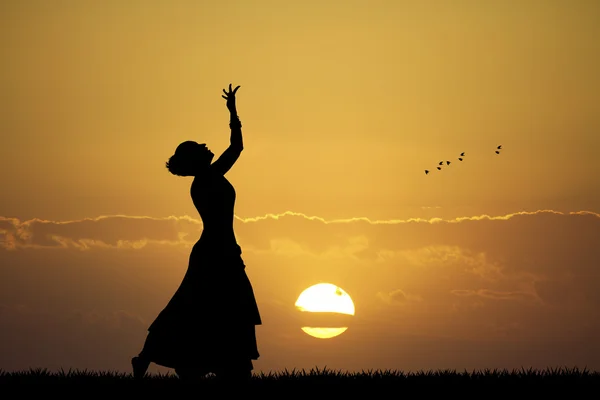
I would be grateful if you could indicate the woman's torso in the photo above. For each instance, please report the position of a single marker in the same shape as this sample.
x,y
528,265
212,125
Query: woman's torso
x,y
214,198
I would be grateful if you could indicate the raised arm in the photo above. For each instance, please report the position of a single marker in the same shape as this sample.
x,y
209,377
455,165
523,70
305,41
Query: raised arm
x,y
236,144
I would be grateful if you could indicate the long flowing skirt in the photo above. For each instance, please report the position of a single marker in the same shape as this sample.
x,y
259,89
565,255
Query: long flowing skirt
x,y
210,320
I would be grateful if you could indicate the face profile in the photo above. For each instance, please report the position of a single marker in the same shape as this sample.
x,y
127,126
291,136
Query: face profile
x,y
194,153
190,159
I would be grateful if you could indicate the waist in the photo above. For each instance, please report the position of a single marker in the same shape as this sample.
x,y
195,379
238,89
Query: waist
x,y
208,248
220,237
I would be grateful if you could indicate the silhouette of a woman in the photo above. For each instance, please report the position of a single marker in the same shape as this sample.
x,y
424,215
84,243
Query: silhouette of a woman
x,y
209,323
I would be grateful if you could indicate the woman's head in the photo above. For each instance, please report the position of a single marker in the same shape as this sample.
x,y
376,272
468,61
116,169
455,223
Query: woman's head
x,y
190,159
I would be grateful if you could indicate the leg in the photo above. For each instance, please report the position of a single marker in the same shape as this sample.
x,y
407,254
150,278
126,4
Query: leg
x,y
141,362
140,365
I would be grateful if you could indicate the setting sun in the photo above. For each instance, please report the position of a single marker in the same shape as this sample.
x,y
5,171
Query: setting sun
x,y
325,298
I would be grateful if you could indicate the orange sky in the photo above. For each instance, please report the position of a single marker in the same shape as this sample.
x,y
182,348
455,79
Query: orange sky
x,y
344,104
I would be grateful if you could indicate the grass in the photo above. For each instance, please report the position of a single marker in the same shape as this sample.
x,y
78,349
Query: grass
x,y
320,381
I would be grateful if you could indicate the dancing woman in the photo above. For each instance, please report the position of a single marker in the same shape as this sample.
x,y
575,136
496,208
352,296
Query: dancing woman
x,y
209,323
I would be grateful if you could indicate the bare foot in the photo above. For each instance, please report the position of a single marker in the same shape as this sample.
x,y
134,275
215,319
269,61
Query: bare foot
x,y
140,366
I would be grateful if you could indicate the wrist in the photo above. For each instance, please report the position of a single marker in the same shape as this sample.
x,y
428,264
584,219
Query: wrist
x,y
234,121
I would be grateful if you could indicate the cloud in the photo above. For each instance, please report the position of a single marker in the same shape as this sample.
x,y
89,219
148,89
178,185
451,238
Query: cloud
x,y
526,276
477,263
399,297
116,231
496,295
543,255
115,320
137,231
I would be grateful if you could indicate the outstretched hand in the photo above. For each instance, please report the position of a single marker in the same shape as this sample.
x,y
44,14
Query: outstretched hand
x,y
230,97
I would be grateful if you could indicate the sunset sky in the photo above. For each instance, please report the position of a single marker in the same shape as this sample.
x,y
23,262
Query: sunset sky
x,y
492,262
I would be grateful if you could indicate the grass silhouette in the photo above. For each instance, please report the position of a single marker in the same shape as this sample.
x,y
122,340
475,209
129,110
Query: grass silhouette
x,y
317,382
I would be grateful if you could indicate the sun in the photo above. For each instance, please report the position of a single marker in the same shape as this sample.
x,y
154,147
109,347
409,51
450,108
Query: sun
x,y
329,299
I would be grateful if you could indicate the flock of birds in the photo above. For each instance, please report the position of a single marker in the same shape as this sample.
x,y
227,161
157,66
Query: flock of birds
x,y
439,167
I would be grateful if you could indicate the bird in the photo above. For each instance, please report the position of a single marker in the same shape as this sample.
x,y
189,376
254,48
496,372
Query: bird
x,y
447,162
460,159
426,172
499,147
441,163
462,154
497,152
439,168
